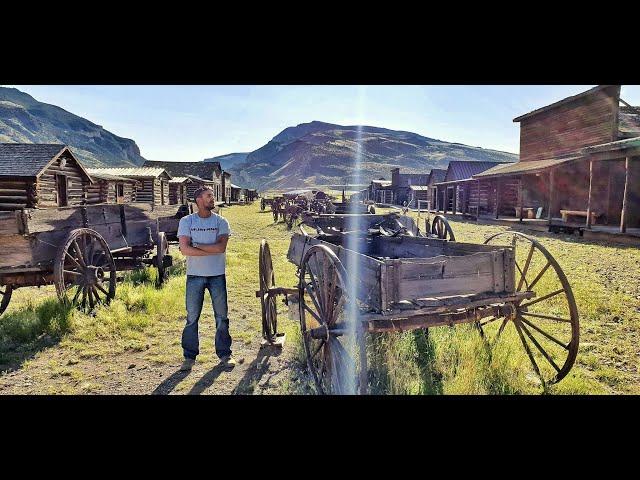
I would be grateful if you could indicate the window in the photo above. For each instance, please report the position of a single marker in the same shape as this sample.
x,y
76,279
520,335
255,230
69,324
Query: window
x,y
62,189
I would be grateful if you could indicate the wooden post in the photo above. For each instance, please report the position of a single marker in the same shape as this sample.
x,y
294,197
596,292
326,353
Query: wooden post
x,y
520,197
625,197
590,191
454,201
550,195
497,206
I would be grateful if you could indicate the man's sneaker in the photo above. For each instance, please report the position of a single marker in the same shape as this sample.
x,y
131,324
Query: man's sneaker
x,y
187,364
228,361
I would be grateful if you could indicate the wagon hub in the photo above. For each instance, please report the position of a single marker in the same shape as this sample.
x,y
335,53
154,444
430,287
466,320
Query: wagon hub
x,y
509,311
93,274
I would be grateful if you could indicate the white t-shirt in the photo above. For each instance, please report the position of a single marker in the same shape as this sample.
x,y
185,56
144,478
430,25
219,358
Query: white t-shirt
x,y
204,231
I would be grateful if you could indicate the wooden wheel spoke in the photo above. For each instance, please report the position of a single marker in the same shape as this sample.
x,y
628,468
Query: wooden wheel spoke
x,y
335,312
528,350
73,259
80,258
491,320
84,296
322,342
313,314
94,291
542,332
502,325
313,298
71,272
541,299
521,275
317,296
90,295
539,276
539,347
75,297
547,317
526,267
319,282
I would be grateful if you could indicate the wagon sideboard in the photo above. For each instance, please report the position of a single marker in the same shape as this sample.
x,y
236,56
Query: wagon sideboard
x,y
418,269
30,238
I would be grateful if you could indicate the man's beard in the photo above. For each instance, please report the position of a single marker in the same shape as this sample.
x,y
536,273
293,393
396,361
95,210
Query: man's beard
x,y
210,207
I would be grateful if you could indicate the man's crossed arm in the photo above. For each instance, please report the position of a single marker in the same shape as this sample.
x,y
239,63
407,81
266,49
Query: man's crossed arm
x,y
202,250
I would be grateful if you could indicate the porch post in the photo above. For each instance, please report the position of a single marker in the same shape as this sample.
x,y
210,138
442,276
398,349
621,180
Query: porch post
x,y
520,197
625,198
497,206
454,203
590,190
550,195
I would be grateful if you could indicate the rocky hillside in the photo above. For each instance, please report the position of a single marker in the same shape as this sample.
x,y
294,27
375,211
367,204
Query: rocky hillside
x,y
320,153
24,119
229,160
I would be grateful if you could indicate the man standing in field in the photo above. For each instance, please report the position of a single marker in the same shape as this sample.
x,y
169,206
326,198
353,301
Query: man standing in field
x,y
203,240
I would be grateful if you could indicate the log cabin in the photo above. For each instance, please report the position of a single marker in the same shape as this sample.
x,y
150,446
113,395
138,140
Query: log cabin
x,y
579,163
401,184
209,173
34,175
457,192
226,187
108,188
197,182
435,176
153,183
178,190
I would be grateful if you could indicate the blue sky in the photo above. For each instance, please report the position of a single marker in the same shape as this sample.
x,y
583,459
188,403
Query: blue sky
x,y
189,123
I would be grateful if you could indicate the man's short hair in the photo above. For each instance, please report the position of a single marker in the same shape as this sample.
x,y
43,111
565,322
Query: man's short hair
x,y
200,190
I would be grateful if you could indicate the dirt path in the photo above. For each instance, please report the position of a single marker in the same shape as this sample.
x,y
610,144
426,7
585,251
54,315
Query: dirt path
x,y
56,370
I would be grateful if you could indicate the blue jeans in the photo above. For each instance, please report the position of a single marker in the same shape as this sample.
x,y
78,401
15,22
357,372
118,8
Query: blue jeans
x,y
217,287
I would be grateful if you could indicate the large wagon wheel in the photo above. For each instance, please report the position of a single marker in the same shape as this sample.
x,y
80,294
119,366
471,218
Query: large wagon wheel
x,y
441,228
546,325
162,249
268,303
5,297
84,270
332,344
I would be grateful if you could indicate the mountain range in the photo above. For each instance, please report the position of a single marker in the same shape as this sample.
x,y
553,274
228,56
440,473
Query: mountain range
x,y
309,154
24,119
318,153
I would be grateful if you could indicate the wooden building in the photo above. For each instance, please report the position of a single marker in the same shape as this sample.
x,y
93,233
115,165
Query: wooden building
x,y
401,184
236,193
435,176
226,187
108,188
153,183
459,193
40,176
207,173
578,164
178,190
251,195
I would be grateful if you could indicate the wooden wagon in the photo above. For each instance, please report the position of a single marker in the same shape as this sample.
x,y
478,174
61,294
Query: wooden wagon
x,y
357,282
81,249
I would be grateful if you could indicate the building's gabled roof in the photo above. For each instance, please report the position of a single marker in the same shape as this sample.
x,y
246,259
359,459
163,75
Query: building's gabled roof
x,y
561,102
135,172
31,159
529,167
463,170
437,175
381,182
203,170
180,180
97,174
236,186
418,187
195,178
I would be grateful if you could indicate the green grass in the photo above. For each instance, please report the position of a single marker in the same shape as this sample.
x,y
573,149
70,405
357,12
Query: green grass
x,y
145,320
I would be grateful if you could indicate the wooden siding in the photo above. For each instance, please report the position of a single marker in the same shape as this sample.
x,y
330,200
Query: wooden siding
x,y
588,121
104,191
16,193
77,182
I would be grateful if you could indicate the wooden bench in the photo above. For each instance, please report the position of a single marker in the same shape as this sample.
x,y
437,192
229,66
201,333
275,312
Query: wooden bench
x,y
568,214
